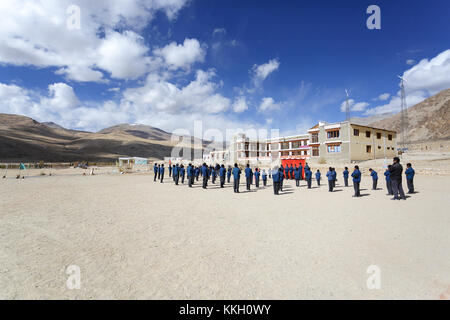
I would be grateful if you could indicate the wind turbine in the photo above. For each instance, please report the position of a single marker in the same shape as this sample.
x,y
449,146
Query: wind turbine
x,y
347,106
403,115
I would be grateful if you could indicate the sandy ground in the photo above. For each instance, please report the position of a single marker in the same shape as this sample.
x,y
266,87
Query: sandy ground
x,y
133,238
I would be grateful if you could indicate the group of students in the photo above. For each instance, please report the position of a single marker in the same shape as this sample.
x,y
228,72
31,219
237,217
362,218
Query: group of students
x,y
393,176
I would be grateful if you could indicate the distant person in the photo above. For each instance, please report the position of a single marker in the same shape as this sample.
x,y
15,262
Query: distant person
x,y
387,174
170,170
155,171
318,176
300,169
161,172
257,175
213,175
291,172
276,176
229,174
197,173
236,177
330,179
182,173
281,177
396,171
334,174
308,177
248,176
205,175
297,177
307,166
251,177
222,175
409,172
176,174
190,175
374,176
345,175
356,175
264,177
286,172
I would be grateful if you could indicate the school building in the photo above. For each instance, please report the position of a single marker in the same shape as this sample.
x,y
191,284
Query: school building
x,y
347,142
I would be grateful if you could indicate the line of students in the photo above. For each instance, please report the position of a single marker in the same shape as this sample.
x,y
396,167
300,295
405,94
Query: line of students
x,y
393,176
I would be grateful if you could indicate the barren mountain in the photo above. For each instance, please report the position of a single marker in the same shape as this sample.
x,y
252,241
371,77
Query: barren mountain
x,y
427,121
24,139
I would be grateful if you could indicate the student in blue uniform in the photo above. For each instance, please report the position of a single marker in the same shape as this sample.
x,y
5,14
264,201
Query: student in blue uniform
x,y
251,177
161,172
345,174
205,175
222,174
374,176
291,172
330,179
276,176
170,170
176,173
213,175
396,171
229,174
308,177
387,174
333,171
197,173
286,172
257,175
318,177
281,177
264,177
300,169
155,171
190,175
248,176
237,177
297,177
307,166
409,172
356,175
182,173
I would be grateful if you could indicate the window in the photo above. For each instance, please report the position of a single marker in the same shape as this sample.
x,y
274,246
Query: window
x,y
379,147
378,135
285,145
356,132
315,138
284,153
334,149
369,149
296,144
333,134
367,134
315,152
390,137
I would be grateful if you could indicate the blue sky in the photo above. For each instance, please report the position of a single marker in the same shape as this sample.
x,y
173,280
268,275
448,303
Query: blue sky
x,y
231,64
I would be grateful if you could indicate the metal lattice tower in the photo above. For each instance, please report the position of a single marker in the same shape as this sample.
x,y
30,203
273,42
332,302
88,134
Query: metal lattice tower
x,y
347,106
403,115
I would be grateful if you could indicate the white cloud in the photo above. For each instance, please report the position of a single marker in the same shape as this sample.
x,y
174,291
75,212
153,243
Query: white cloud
x,y
384,96
219,31
426,78
35,33
268,104
261,72
182,55
240,105
354,106
410,62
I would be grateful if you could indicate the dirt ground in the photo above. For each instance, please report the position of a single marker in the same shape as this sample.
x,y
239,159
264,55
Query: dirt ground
x,y
133,238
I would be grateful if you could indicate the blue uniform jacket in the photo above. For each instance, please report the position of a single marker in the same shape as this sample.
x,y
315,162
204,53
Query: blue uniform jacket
x,y
236,173
182,171
387,174
330,175
213,172
409,173
229,173
161,170
248,172
155,169
276,176
345,173
257,174
222,172
374,175
308,174
318,175
175,170
205,171
190,171
356,176
334,174
264,176
297,174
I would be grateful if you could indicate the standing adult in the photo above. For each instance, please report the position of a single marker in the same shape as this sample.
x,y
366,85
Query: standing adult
x,y
396,171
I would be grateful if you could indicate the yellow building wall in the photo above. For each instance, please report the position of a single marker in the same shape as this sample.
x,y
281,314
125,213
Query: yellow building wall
x,y
380,148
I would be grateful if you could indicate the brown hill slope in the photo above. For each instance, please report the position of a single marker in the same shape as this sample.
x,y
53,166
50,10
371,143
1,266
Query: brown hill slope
x,y
427,121
24,139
